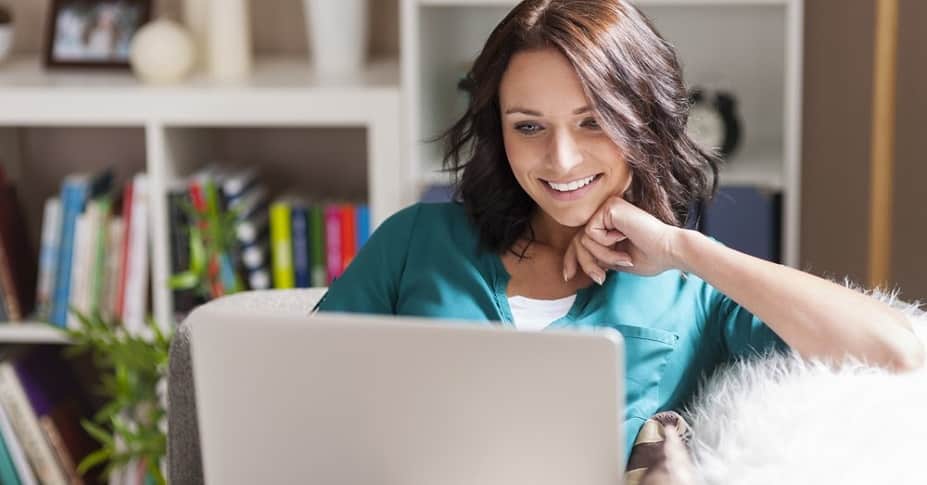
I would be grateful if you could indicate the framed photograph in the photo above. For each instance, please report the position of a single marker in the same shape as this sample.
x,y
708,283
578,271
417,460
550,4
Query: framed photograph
x,y
93,33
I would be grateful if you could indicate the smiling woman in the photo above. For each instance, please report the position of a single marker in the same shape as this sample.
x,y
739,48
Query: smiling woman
x,y
588,88
575,175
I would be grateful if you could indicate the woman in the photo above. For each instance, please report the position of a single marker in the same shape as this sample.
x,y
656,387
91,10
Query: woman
x,y
575,176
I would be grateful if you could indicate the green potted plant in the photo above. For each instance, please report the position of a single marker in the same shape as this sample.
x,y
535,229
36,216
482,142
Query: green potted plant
x,y
132,426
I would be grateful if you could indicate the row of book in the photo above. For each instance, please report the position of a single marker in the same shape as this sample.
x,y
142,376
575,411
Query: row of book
x,y
94,256
275,242
17,269
41,440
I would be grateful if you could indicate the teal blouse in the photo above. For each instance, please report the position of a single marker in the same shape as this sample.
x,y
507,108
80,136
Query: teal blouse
x,y
426,261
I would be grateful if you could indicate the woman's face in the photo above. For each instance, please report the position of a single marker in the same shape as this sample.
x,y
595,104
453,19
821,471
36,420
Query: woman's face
x,y
558,153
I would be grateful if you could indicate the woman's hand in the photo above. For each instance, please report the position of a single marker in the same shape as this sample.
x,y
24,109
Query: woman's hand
x,y
622,237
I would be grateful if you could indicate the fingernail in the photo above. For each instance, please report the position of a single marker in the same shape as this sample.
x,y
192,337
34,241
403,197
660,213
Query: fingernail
x,y
565,278
599,278
626,264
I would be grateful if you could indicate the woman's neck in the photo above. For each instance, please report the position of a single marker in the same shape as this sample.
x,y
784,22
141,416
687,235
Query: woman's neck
x,y
551,233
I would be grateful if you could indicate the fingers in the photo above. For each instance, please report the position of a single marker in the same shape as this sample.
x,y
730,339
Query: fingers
x,y
569,262
589,264
606,255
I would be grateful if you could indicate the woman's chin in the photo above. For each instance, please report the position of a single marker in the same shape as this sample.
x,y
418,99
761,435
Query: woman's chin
x,y
573,218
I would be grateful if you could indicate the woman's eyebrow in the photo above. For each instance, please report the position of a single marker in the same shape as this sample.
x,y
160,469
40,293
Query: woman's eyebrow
x,y
526,111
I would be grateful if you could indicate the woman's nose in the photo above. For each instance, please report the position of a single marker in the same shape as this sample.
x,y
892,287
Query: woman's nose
x,y
564,151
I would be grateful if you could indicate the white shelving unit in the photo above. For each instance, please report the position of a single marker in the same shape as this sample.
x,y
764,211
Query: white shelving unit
x,y
30,333
345,130
752,48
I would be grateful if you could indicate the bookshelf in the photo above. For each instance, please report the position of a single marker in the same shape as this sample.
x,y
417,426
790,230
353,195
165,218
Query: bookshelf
x,y
752,48
112,120
30,333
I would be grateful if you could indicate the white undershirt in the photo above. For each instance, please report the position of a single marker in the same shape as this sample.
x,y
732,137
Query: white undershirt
x,y
533,314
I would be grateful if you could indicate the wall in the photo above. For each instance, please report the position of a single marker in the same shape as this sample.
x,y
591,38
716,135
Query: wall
x,y
836,142
909,265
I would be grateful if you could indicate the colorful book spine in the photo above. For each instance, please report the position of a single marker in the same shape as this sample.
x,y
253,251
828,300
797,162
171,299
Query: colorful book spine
x,y
80,273
299,222
348,235
11,310
334,263
26,426
23,470
8,473
119,308
101,248
117,236
362,212
73,198
136,284
317,257
48,256
281,245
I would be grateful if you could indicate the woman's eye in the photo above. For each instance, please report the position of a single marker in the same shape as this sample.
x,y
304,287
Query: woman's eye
x,y
527,128
591,123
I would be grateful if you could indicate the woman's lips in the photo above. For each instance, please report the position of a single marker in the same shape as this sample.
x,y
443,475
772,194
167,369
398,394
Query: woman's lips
x,y
572,194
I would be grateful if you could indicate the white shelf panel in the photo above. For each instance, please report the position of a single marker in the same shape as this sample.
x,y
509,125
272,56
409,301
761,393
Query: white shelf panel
x,y
30,333
282,91
512,3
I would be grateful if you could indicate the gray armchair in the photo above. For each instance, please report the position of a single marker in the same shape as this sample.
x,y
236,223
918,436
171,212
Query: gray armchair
x,y
185,464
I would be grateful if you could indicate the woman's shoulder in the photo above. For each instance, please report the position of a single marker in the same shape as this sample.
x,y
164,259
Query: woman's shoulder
x,y
435,218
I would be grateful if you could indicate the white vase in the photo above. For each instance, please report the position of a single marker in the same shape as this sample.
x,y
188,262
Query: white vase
x,y
337,36
228,44
6,40
196,19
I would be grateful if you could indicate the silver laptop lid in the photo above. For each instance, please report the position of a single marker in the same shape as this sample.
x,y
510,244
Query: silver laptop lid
x,y
349,399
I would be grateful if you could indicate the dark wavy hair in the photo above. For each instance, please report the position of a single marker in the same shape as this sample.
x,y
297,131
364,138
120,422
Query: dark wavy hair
x,y
634,82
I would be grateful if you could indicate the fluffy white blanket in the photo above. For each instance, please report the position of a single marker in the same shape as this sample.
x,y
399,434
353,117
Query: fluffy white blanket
x,y
784,420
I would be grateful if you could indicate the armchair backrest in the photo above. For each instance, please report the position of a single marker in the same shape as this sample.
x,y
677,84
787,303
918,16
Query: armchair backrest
x,y
185,464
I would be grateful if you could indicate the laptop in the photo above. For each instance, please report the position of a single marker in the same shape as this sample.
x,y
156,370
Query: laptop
x,y
358,399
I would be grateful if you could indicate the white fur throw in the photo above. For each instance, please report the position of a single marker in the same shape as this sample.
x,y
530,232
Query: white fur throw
x,y
780,420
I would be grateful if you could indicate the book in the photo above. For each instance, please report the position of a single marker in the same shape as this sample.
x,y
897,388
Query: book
x,y
178,202
747,219
13,445
101,240
116,230
281,245
333,261
8,474
74,193
363,225
348,235
55,395
10,310
18,276
299,217
317,257
120,286
136,280
48,256
234,185
26,427
87,228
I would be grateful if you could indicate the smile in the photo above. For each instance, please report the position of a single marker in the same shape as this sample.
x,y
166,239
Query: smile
x,y
572,186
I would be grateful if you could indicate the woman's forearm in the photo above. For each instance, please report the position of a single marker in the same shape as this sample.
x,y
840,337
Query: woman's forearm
x,y
814,316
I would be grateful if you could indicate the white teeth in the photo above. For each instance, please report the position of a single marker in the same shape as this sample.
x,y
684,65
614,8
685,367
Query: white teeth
x,y
571,186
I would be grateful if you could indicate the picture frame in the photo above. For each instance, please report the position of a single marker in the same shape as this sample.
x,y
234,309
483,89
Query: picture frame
x,y
93,33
